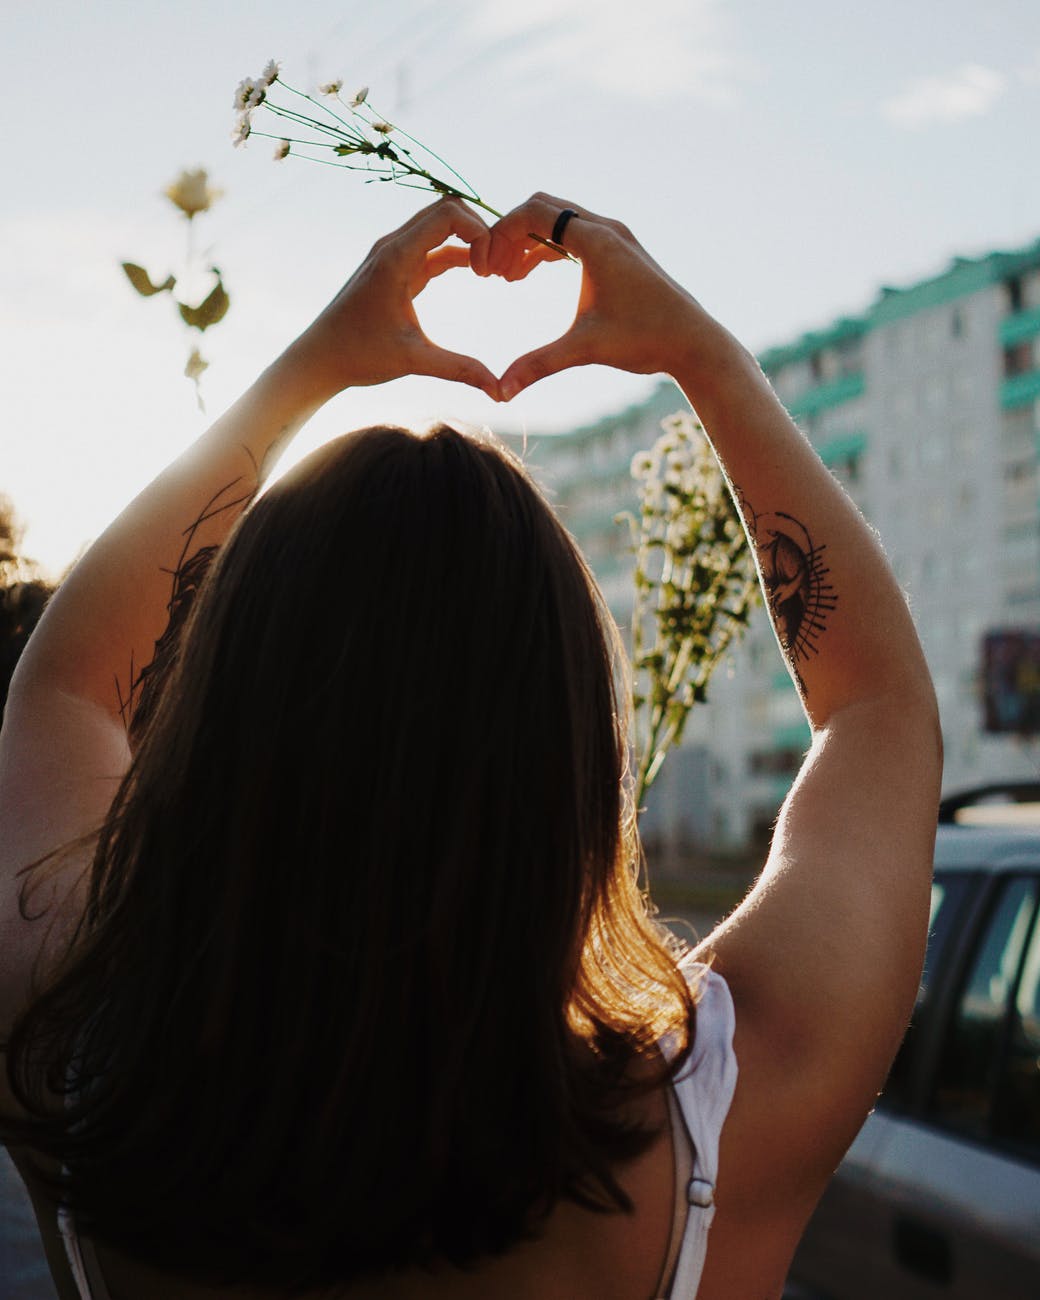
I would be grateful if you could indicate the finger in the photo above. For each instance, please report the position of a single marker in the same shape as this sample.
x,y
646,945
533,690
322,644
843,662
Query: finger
x,y
526,259
561,354
538,217
559,204
522,229
446,258
479,251
436,224
456,366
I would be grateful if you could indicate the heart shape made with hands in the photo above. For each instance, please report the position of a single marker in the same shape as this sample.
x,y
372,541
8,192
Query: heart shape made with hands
x,y
495,320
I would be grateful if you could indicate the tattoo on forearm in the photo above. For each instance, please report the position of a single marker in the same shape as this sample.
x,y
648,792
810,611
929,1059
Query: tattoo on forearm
x,y
145,685
796,581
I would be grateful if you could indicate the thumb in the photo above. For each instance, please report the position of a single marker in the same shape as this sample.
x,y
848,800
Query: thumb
x,y
459,368
561,354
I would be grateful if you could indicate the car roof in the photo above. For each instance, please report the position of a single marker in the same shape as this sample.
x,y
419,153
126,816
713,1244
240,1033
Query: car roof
x,y
975,847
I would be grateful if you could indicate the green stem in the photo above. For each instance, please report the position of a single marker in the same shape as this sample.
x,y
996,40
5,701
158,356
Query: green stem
x,y
318,104
311,144
473,196
301,119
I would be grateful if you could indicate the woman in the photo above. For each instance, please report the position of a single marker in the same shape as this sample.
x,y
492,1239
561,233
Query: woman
x,y
353,994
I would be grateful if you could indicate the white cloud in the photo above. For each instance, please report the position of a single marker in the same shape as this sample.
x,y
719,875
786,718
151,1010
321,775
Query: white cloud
x,y
649,51
970,91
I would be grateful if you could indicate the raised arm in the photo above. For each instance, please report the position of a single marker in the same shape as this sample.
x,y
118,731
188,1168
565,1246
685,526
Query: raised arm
x,y
64,744
824,956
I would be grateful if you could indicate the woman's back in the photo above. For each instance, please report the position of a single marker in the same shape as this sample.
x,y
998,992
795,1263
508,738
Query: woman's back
x,y
659,1250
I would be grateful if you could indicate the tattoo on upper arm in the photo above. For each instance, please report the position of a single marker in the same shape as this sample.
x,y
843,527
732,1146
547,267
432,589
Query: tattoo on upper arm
x,y
796,581
145,685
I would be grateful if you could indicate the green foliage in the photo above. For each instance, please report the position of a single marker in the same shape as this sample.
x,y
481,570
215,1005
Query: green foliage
x,y
210,311
23,595
141,281
695,584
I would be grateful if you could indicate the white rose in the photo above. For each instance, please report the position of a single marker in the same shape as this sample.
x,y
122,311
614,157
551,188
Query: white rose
x,y
192,193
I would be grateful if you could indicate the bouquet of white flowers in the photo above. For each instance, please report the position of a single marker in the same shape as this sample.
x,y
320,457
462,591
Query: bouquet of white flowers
x,y
342,132
349,133
695,586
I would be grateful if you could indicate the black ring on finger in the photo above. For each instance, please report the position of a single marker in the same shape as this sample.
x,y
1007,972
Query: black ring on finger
x,y
561,225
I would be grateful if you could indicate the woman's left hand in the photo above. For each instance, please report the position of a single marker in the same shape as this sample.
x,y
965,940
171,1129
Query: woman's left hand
x,y
369,333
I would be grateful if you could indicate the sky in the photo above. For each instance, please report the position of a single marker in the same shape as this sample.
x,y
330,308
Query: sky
x,y
781,161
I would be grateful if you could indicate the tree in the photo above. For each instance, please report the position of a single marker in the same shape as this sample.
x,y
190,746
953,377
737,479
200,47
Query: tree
x,y
23,595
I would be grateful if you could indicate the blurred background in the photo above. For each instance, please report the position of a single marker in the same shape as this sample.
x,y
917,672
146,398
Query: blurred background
x,y
851,188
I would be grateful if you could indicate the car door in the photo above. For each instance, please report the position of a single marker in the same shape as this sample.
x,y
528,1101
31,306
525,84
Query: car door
x,y
940,1194
965,1178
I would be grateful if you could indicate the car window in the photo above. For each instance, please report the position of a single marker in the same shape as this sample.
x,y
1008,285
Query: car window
x,y
1017,1112
969,1070
949,892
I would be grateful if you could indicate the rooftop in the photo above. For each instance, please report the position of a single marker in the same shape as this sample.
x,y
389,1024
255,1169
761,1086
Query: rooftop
x,y
961,277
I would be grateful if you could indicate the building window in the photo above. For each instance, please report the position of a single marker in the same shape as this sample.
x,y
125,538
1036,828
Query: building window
x,y
964,442
1013,292
775,762
848,469
1018,358
849,357
1019,471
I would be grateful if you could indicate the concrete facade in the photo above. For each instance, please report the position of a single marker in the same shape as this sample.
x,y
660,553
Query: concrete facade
x,y
927,408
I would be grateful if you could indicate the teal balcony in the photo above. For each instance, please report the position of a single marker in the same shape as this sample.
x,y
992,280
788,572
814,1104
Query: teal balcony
x,y
842,447
843,389
1020,327
1020,390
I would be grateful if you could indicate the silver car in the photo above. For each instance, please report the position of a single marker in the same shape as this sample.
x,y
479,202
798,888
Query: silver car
x,y
940,1193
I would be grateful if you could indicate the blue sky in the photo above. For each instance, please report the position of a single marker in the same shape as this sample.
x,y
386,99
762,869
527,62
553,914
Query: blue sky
x,y
782,161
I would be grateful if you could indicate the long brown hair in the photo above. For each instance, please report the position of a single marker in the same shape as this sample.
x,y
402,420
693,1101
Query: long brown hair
x,y
364,969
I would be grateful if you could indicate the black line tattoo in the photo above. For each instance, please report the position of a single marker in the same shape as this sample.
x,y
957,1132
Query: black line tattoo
x,y
138,705
796,581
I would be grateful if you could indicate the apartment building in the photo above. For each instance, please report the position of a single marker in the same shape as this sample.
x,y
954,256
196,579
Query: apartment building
x,y
927,408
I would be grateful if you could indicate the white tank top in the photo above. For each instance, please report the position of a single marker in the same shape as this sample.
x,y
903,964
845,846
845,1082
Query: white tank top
x,y
698,1103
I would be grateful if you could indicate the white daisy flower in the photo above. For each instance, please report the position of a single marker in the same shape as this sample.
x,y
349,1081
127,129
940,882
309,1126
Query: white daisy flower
x,y
241,132
642,464
281,150
331,87
270,73
384,128
359,97
676,535
244,95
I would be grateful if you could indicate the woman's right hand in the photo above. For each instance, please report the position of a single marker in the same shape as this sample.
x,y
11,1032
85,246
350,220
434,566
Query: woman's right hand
x,y
631,315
